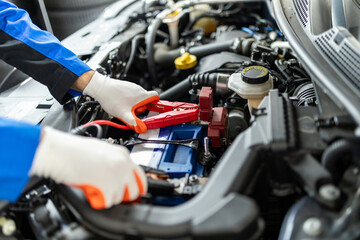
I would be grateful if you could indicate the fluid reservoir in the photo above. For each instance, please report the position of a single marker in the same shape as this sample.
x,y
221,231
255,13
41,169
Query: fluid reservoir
x,y
172,20
208,24
253,84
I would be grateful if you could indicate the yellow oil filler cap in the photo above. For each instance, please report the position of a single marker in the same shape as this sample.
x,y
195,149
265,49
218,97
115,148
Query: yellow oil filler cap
x,y
185,61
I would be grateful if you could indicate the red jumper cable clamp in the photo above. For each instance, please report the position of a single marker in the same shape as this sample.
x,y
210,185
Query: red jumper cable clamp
x,y
171,113
175,113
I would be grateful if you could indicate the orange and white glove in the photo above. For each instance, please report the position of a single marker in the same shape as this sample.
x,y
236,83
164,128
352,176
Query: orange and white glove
x,y
102,170
121,99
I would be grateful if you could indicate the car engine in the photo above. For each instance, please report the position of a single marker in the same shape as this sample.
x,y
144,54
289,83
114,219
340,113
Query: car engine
x,y
244,152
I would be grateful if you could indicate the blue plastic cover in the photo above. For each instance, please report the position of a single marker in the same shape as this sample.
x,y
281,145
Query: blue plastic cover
x,y
177,160
18,143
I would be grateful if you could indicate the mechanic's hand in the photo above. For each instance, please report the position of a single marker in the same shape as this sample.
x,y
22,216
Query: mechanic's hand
x,y
121,99
103,171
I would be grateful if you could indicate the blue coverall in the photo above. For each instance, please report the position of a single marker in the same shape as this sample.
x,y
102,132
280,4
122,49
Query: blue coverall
x,y
40,55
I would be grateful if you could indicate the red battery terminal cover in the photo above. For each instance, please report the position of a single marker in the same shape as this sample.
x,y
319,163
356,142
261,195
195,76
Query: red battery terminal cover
x,y
217,126
205,104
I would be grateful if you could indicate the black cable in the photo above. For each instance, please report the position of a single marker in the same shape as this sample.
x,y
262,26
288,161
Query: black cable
x,y
134,44
82,130
83,117
85,105
302,80
150,41
278,75
335,153
75,118
94,114
299,71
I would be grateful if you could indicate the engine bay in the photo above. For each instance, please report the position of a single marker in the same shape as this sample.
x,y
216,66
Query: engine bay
x,y
212,61
238,148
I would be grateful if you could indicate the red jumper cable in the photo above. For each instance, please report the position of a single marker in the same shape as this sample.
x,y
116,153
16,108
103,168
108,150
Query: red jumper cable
x,y
171,113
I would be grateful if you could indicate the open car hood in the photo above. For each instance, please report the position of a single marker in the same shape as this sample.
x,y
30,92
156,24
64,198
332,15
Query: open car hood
x,y
316,31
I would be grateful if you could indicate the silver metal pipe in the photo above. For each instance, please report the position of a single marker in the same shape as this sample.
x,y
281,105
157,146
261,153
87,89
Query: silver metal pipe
x,y
45,16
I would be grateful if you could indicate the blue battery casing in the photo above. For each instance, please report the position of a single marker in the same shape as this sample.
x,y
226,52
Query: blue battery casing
x,y
177,160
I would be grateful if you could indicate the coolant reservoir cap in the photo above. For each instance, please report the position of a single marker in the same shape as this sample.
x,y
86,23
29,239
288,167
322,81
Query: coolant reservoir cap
x,y
255,75
185,61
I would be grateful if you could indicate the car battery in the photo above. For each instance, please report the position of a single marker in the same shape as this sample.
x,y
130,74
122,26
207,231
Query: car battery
x,y
176,160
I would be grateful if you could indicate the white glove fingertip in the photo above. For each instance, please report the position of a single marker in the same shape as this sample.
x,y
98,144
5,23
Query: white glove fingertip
x,y
143,178
152,93
129,119
133,187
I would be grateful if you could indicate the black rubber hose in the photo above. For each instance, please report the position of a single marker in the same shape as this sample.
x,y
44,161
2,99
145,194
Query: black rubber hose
x,y
334,153
181,90
150,41
207,49
350,216
99,131
166,57
177,91
134,44
203,79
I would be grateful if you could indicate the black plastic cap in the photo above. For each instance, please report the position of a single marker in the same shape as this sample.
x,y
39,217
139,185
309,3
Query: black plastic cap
x,y
255,75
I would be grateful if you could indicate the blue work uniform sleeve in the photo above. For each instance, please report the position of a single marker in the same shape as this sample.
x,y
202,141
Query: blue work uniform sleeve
x,y
37,53
18,143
